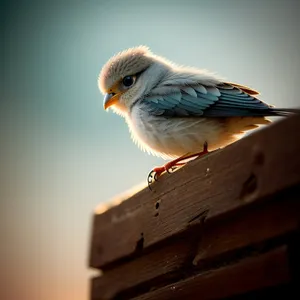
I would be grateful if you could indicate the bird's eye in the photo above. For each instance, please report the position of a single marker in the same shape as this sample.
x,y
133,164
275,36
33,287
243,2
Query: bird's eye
x,y
128,81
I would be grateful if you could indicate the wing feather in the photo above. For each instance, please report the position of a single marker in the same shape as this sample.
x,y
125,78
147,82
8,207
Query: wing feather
x,y
223,100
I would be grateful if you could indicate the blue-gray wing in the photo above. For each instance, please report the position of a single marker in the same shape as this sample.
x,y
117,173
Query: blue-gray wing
x,y
223,100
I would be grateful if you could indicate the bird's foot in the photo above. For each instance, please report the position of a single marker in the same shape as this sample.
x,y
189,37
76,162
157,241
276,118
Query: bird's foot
x,y
158,171
172,165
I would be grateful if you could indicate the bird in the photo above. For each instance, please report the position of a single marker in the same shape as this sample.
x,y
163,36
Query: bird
x,y
179,112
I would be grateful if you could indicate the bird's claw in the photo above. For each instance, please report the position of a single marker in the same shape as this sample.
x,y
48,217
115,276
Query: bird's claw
x,y
156,172
171,166
171,169
152,176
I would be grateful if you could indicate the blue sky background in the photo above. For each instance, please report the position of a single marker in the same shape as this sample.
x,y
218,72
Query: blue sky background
x,y
62,154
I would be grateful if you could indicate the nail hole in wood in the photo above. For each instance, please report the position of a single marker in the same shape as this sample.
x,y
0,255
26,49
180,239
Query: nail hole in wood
x,y
249,186
157,204
140,243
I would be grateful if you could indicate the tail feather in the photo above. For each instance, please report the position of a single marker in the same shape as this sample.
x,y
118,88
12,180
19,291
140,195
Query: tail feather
x,y
283,112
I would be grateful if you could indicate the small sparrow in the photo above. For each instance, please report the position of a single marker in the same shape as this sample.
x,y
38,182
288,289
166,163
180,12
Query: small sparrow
x,y
178,112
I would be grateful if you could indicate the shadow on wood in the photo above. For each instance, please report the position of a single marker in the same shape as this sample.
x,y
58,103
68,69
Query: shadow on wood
x,y
223,226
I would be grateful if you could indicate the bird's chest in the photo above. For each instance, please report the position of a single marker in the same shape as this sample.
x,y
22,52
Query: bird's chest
x,y
171,137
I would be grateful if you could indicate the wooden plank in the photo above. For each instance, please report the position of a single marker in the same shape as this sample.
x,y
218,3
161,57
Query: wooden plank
x,y
201,246
250,274
247,171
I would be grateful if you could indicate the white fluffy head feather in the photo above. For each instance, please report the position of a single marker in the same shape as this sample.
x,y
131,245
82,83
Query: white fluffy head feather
x,y
127,62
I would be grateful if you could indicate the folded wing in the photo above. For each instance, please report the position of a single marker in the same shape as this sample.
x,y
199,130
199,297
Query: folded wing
x,y
223,100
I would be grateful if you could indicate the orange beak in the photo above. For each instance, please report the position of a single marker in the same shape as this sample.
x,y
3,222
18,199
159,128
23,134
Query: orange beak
x,y
110,100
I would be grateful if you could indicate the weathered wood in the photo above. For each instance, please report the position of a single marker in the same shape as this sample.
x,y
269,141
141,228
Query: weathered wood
x,y
253,273
242,174
208,242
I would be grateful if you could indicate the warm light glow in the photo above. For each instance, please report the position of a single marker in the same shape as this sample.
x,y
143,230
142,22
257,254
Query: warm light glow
x,y
63,154
118,199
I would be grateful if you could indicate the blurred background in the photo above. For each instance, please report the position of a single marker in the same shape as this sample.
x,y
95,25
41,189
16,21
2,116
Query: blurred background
x,y
62,154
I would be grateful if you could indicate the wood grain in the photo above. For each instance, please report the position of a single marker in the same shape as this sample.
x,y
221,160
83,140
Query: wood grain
x,y
199,248
242,174
266,270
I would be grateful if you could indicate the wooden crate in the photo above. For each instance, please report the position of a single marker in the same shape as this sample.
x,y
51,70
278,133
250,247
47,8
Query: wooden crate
x,y
223,226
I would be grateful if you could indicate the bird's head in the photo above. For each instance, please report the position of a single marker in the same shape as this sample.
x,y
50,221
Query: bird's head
x,y
129,75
